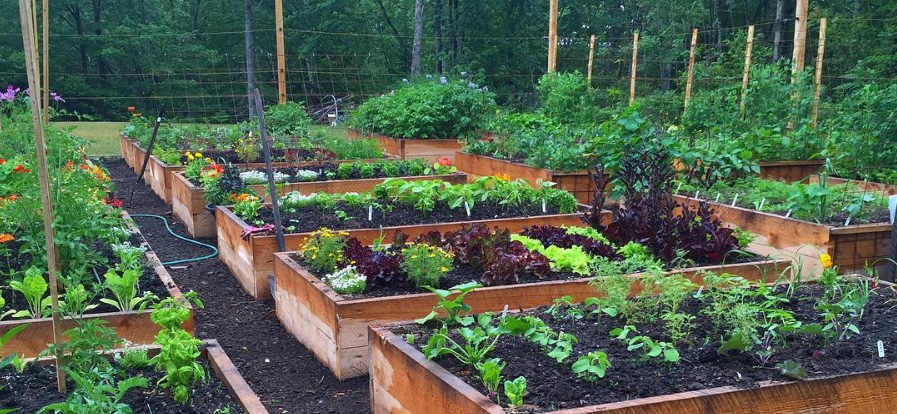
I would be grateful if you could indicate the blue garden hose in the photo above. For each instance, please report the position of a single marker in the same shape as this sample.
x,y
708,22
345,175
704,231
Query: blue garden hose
x,y
174,262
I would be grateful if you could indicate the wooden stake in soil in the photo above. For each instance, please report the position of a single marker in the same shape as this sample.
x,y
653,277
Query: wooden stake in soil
x,y
748,49
46,45
634,68
25,16
591,60
820,54
281,54
691,67
552,35
272,187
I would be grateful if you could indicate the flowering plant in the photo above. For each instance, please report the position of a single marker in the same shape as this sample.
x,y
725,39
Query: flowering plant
x,y
196,163
246,206
323,251
346,281
425,265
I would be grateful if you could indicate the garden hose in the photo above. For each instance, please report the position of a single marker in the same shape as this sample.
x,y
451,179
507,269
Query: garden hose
x,y
174,262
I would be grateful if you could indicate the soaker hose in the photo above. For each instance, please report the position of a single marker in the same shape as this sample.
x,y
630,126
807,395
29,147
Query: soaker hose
x,y
174,262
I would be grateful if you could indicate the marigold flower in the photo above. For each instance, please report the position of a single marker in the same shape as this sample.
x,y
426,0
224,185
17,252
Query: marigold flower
x,y
826,260
131,109
445,162
6,238
208,160
19,168
13,197
198,155
502,177
2,161
190,157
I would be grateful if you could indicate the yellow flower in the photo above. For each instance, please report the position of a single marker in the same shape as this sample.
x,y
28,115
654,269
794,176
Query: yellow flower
x,y
198,155
208,160
190,157
432,254
826,260
444,269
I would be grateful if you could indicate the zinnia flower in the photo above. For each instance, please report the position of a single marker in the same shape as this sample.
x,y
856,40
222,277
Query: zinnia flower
x,y
826,260
6,238
445,162
19,168
131,109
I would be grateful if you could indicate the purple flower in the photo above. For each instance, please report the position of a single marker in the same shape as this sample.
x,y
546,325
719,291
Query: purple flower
x,y
56,97
485,88
463,74
472,85
443,80
10,94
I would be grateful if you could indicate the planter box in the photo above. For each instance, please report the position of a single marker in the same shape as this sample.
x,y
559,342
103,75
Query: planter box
x,y
885,190
403,381
335,328
133,326
127,149
188,201
850,247
790,171
406,149
252,260
577,183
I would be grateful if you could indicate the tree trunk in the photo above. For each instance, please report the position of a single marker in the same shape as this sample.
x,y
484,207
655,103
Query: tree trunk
x,y
453,33
418,34
250,58
777,31
437,25
395,31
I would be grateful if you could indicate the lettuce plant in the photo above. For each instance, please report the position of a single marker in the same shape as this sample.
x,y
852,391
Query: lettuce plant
x,y
34,288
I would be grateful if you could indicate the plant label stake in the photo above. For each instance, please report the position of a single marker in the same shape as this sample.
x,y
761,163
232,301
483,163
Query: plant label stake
x,y
892,267
371,213
735,200
847,222
149,149
678,188
697,193
272,187
716,200
881,349
467,207
762,201
544,210
788,214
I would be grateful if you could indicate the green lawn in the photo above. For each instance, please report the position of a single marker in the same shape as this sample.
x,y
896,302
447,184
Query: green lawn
x,y
103,136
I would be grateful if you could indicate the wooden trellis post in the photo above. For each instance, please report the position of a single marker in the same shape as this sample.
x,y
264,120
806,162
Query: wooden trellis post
x,y
281,54
820,54
745,77
634,68
691,66
591,60
26,14
46,45
552,35
800,38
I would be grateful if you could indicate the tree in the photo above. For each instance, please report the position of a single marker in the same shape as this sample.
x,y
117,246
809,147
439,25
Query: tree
x,y
418,34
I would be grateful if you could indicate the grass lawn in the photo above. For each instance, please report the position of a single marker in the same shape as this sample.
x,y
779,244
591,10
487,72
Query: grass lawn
x,y
103,136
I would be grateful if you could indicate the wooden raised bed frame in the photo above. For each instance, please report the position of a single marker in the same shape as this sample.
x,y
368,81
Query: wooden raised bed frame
x,y
335,328
790,171
188,201
251,261
886,190
578,183
405,148
136,327
851,247
403,381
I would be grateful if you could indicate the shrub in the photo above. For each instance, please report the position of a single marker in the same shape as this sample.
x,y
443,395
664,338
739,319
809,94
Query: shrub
x,y
425,265
287,120
427,109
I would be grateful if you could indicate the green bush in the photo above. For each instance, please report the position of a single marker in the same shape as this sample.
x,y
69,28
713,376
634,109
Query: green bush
x,y
427,109
289,119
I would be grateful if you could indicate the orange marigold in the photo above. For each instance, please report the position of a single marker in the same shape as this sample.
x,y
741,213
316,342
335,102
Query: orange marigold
x,y
6,238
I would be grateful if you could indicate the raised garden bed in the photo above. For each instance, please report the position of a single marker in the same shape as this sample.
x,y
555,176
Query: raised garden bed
x,y
188,201
846,377
251,259
577,183
127,149
225,390
334,327
133,326
851,247
430,149
886,190
790,171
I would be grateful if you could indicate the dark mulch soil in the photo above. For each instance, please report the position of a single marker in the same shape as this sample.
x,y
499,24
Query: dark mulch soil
x,y
284,374
36,387
149,281
313,218
553,386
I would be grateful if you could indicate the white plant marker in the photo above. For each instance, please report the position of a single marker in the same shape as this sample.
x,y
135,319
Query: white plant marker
x,y
544,210
847,222
788,214
697,193
371,213
892,204
717,198
735,200
762,201
505,313
678,188
881,349
467,207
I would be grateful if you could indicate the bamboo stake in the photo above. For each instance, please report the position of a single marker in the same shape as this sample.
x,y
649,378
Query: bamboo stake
x,y
552,35
745,76
820,54
281,54
25,16
591,59
691,66
800,38
634,68
46,45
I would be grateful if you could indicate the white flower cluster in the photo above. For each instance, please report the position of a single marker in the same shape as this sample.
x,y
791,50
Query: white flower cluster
x,y
346,281
295,200
256,177
127,247
306,175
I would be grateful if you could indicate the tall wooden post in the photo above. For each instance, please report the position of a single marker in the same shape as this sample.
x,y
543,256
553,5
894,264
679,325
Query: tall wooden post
x,y
46,62
591,59
634,68
745,76
552,36
26,13
820,54
800,38
281,54
691,67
